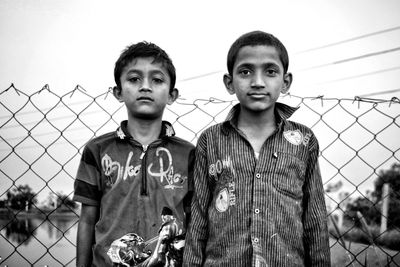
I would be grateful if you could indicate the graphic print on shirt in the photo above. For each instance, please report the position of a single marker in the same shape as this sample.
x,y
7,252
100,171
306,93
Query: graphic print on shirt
x,y
221,202
223,173
174,180
117,172
296,137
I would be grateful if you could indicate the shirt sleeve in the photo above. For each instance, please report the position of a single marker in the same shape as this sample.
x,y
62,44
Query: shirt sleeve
x,y
188,197
197,235
86,185
316,237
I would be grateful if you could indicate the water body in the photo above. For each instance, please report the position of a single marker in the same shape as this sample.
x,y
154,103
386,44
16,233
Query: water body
x,y
34,241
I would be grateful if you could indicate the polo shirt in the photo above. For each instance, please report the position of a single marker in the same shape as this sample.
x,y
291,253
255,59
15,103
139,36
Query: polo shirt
x,y
131,184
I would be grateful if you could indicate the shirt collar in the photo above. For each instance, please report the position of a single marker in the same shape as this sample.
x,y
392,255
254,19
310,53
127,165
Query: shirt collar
x,y
166,130
282,113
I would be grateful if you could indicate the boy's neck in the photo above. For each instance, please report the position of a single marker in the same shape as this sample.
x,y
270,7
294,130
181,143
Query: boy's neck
x,y
144,131
256,120
257,126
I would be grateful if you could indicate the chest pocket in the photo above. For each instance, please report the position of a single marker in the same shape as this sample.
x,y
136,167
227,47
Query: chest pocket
x,y
288,175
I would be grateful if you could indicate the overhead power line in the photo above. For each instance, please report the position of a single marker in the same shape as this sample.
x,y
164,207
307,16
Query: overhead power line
x,y
201,76
349,40
325,46
305,69
360,75
381,92
353,58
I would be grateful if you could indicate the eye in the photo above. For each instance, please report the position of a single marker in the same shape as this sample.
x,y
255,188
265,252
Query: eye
x,y
158,80
133,79
244,72
271,72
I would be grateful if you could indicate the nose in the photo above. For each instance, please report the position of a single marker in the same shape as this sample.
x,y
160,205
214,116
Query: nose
x,y
258,80
145,85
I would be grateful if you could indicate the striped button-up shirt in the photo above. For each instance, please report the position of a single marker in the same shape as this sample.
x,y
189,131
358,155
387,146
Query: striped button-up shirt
x,y
268,211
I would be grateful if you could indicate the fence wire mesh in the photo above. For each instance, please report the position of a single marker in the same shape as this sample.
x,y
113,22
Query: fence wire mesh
x,y
43,134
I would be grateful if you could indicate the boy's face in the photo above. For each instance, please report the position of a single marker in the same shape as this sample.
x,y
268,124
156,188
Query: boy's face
x,y
145,88
257,78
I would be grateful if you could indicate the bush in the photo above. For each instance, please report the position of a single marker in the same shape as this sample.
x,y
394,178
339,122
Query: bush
x,y
351,232
389,239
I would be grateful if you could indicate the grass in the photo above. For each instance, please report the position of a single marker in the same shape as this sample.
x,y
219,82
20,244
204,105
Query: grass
x,y
389,239
356,254
364,245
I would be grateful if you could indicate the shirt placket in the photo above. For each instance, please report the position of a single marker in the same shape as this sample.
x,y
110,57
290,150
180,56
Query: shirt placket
x,y
257,220
259,215
262,226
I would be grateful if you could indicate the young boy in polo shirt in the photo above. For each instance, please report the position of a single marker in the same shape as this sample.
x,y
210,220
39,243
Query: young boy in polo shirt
x,y
128,177
258,195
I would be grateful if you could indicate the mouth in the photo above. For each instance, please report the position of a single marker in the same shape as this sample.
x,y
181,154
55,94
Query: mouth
x,y
258,95
145,99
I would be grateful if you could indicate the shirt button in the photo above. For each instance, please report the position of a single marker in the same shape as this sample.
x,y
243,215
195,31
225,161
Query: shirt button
x,y
257,211
255,240
258,175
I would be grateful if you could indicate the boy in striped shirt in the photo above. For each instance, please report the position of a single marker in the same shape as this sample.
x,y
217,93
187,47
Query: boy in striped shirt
x,y
258,194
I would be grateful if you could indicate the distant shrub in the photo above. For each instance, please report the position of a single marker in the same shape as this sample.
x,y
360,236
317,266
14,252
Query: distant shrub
x,y
390,239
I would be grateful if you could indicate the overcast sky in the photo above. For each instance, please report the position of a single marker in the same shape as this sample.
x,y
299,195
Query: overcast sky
x,y
337,48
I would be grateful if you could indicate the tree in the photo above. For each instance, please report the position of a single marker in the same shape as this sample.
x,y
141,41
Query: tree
x,y
371,207
62,202
21,197
369,210
3,203
391,177
68,202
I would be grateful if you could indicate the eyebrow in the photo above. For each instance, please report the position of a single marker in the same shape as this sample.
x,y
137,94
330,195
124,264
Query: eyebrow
x,y
151,72
251,65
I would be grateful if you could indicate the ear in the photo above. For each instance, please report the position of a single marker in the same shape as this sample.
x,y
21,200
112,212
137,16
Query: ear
x,y
228,84
287,81
117,92
173,95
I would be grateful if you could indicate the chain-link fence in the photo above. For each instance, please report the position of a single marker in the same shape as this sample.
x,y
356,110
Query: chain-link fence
x,y
43,134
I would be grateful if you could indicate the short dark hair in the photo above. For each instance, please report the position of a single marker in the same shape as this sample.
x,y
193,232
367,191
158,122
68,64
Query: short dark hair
x,y
257,38
141,50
